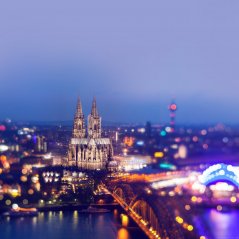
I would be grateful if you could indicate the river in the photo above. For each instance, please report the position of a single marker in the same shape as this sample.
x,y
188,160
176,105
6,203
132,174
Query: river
x,y
73,225
218,225
67,225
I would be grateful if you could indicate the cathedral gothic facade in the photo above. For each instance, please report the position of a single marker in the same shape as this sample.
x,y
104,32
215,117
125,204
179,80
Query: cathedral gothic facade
x,y
87,149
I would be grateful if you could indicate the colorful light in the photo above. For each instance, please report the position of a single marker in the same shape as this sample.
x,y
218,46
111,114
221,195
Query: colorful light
x,y
3,148
129,141
158,154
140,143
167,166
2,127
173,107
220,172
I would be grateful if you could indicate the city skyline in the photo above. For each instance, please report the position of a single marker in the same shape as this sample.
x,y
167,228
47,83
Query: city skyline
x,y
51,53
155,114
119,119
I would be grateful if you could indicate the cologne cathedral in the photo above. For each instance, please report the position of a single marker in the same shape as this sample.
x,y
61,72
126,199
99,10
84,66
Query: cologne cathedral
x,y
87,149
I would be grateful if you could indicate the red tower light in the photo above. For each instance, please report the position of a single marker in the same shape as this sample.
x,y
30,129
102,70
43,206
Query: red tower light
x,y
173,107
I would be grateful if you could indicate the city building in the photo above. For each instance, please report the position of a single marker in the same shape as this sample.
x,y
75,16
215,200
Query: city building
x,y
87,149
40,144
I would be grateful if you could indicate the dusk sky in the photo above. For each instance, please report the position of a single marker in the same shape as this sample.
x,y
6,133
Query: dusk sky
x,y
134,56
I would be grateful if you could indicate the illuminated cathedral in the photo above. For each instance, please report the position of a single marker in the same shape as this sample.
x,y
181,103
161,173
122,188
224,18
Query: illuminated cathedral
x,y
87,149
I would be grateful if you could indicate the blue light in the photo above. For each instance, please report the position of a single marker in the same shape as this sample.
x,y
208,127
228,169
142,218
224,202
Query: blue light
x,y
220,172
167,166
140,143
35,139
163,133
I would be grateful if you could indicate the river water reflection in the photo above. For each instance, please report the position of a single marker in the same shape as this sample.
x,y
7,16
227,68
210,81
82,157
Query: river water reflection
x,y
67,225
73,225
218,225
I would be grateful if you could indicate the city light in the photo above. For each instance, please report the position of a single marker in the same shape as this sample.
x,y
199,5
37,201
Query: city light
x,y
219,172
124,119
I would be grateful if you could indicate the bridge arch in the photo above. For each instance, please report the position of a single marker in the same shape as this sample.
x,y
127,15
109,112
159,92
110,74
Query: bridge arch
x,y
125,192
156,216
220,172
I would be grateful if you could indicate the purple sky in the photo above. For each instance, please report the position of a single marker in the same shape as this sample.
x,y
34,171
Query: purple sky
x,y
134,56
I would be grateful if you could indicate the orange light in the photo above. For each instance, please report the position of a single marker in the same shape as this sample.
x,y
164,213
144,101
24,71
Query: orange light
x,y
193,198
30,191
233,199
129,141
125,220
123,233
190,228
179,220
23,178
158,154
187,207
24,171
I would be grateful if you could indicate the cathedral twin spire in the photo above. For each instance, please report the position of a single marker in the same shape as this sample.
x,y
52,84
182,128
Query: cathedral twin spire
x,y
94,122
79,122
87,149
79,111
94,111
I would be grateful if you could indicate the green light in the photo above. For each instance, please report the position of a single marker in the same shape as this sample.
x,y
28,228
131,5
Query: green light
x,y
167,166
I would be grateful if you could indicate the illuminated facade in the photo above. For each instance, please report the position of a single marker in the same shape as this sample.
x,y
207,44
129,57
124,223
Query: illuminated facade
x,y
87,149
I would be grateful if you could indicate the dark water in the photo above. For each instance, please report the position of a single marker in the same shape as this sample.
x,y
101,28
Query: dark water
x,y
67,225
218,225
72,225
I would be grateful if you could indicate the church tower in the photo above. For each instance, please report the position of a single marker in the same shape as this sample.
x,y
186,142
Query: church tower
x,y
94,122
89,151
79,122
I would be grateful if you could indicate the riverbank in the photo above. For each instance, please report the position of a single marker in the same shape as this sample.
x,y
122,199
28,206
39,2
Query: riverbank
x,y
66,207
